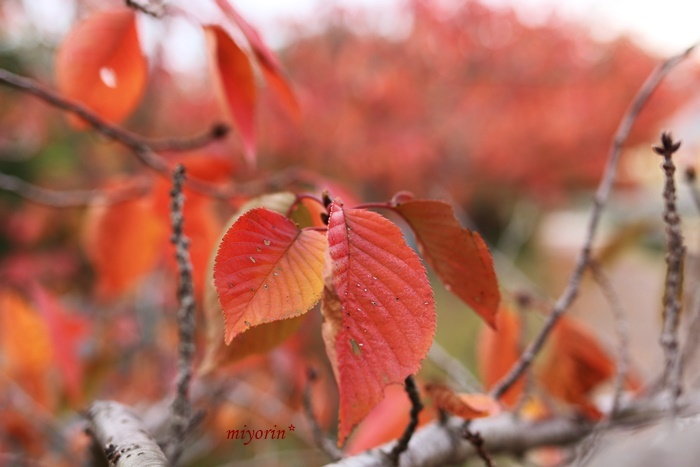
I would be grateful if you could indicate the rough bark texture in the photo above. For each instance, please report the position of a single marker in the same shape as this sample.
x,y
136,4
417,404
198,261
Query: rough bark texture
x,y
120,434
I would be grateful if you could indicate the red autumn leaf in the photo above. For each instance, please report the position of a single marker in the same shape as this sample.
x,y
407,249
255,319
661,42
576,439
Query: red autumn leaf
x,y
574,364
236,81
378,307
467,406
498,350
268,62
123,242
458,256
267,270
100,64
67,331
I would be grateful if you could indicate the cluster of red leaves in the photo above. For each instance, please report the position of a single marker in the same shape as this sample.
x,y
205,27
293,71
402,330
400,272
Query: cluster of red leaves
x,y
377,303
476,99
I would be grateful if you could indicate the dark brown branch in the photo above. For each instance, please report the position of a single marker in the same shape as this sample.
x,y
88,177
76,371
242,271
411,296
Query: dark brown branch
x,y
218,131
476,440
182,408
673,287
322,442
416,406
119,433
605,186
67,199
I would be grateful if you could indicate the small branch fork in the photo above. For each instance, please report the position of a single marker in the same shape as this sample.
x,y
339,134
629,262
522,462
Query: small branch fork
x,y
604,188
416,406
673,286
181,418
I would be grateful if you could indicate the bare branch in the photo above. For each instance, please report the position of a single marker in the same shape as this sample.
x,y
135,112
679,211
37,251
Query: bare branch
x,y
416,406
435,445
621,329
605,186
67,199
182,408
673,286
454,369
120,434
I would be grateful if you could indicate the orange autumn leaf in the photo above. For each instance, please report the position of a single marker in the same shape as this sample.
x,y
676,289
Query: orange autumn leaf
x,y
378,308
25,345
498,350
123,242
100,64
236,83
574,364
459,257
466,406
267,270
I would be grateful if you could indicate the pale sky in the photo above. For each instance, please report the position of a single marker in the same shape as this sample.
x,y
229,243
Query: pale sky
x,y
663,26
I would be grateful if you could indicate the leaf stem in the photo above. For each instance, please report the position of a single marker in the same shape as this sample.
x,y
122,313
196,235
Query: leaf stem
x,y
416,407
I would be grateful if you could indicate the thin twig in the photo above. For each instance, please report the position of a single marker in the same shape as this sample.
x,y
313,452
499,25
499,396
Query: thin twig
x,y
68,199
139,146
476,440
673,287
182,408
416,406
621,329
454,369
690,179
322,442
523,302
218,131
601,197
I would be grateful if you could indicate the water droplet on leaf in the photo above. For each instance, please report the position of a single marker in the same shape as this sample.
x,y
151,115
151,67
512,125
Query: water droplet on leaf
x,y
266,242
252,259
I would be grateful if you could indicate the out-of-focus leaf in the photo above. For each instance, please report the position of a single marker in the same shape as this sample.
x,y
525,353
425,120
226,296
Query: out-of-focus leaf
x,y
467,406
267,270
100,64
458,256
497,352
378,308
236,82
123,241
574,364
68,331
25,342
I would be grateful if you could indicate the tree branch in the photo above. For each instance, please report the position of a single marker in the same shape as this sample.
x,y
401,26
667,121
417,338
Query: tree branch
x,y
438,445
182,408
673,286
67,199
604,188
320,438
118,431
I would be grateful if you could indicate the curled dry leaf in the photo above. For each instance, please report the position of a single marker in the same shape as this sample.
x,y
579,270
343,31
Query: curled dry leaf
x,y
378,309
459,257
466,406
101,65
